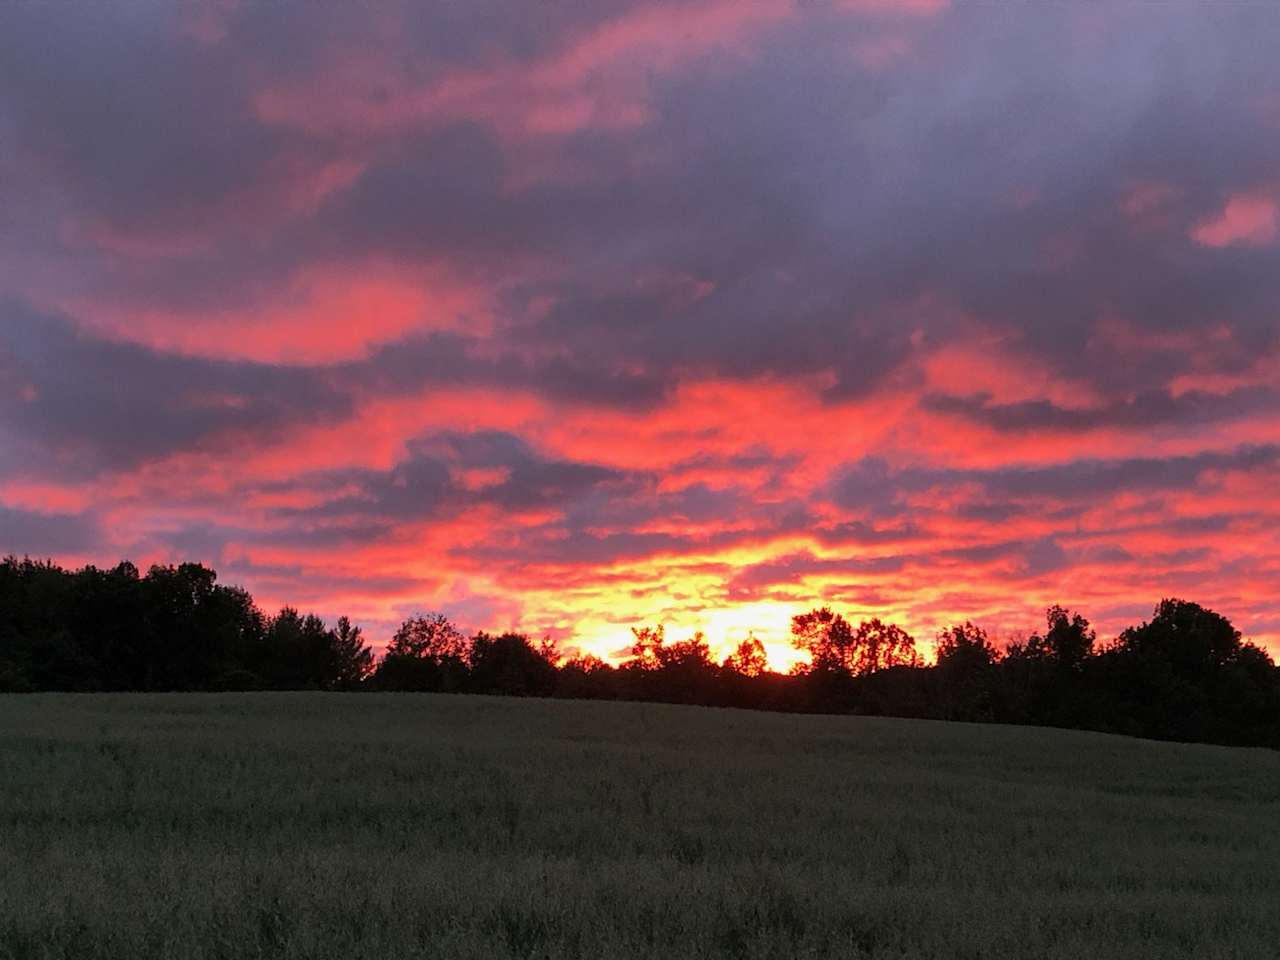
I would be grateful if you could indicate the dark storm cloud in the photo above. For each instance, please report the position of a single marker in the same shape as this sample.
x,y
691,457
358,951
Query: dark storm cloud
x,y
88,404
1074,126
690,506
141,125
813,201
752,582
1031,558
413,362
1086,478
435,193
1149,409
432,479
873,486
861,533
847,196
45,534
693,518
737,209
816,225
425,37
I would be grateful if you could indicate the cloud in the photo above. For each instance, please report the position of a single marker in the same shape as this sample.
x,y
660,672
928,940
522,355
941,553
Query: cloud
x,y
456,471
872,484
579,315
146,130
43,534
1245,219
1148,409
84,404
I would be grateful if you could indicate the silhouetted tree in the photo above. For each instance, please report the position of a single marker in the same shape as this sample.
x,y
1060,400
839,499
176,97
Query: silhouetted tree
x,y
429,637
687,674
966,661
1186,674
693,652
680,672
187,635
1067,642
308,655
174,629
427,653
351,660
1192,640
827,638
587,677
646,650
549,650
832,644
281,665
749,659
1043,676
510,664
879,646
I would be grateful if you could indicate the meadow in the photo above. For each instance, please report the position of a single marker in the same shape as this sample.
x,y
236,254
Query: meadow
x,y
426,825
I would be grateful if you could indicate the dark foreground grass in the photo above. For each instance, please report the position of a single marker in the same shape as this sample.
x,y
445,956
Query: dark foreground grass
x,y
383,826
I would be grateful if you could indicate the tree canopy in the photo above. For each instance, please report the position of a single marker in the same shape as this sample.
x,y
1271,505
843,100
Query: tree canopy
x,y
1185,674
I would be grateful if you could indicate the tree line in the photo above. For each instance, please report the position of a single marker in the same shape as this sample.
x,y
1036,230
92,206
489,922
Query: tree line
x,y
1185,674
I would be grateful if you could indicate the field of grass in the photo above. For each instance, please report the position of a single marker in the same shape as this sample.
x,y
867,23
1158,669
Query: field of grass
x,y
385,826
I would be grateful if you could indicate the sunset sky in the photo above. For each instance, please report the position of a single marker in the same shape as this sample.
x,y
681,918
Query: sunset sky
x,y
573,316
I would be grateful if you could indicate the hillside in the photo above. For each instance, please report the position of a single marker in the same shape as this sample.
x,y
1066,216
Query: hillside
x,y
396,825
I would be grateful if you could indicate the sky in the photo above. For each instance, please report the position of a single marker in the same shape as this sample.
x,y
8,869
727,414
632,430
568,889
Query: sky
x,y
569,317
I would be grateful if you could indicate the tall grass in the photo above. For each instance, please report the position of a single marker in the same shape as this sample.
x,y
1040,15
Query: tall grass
x,y
327,825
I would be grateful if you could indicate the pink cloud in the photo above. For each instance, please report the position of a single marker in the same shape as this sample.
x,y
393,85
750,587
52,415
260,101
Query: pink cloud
x,y
914,8
1247,218
322,313
598,77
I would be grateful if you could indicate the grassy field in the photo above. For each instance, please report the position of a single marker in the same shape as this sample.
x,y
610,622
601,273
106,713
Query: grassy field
x,y
327,825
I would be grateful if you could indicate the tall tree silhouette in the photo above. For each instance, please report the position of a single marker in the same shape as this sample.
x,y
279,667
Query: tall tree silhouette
x,y
1068,641
1187,674
966,664
428,652
1043,675
351,660
826,637
832,644
748,659
510,664
681,672
880,646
